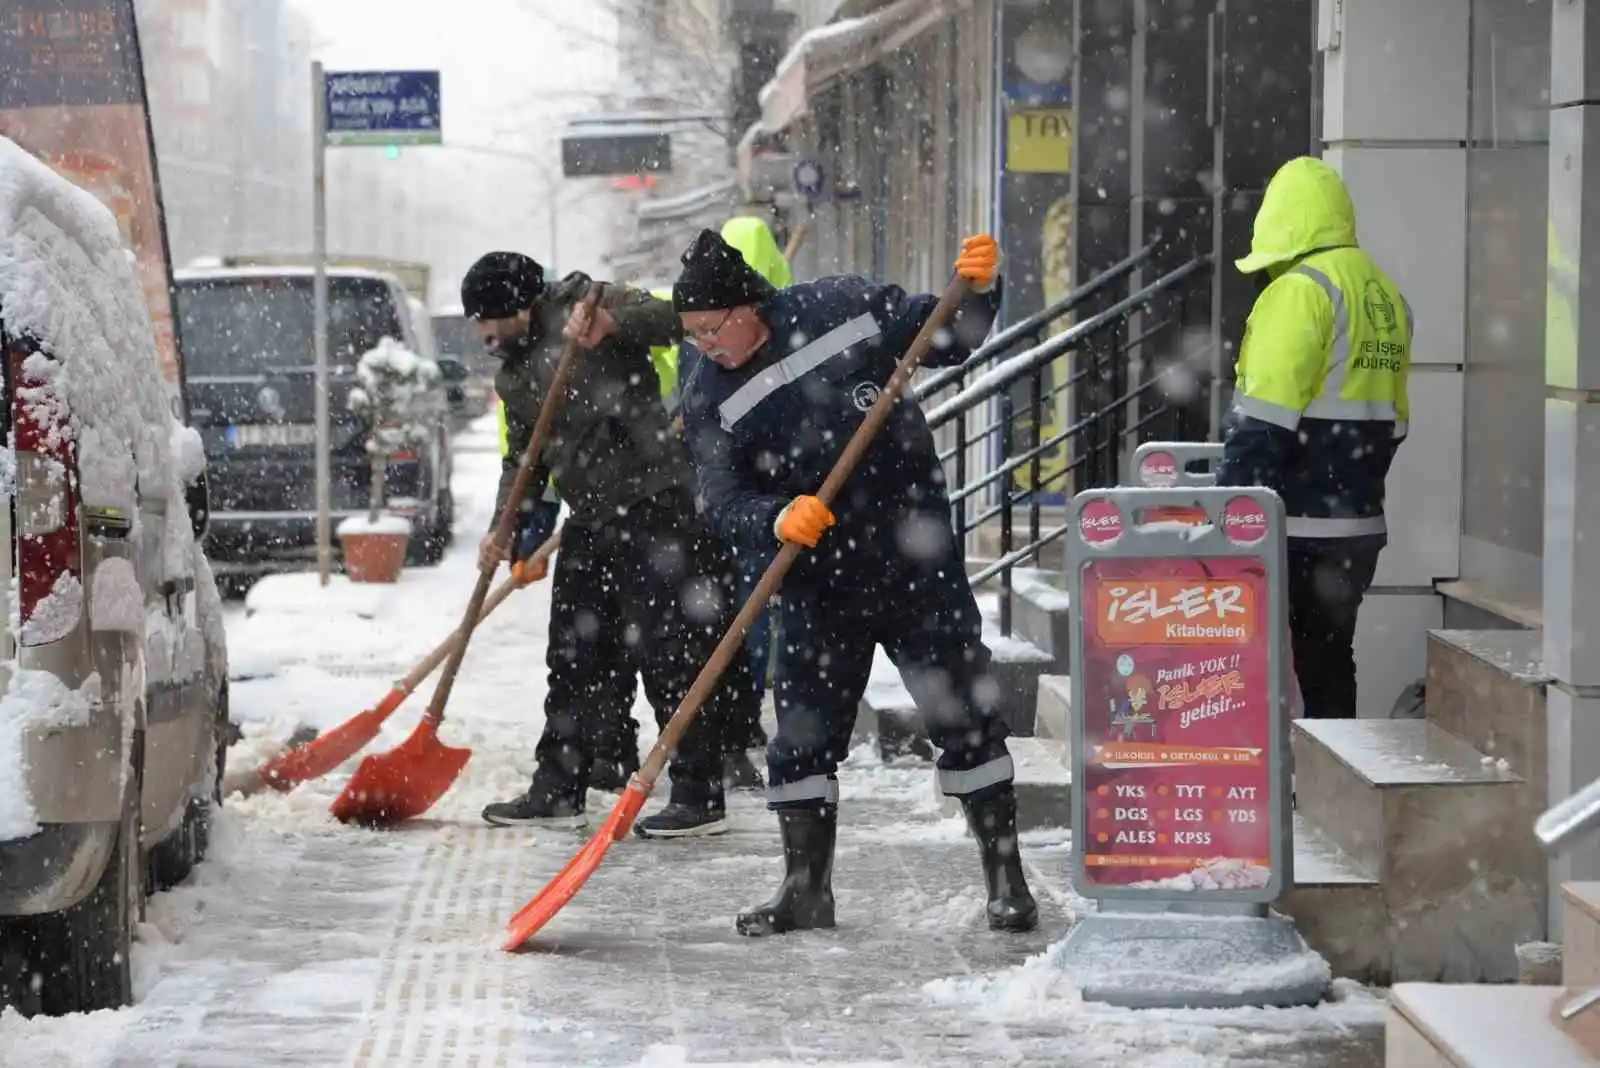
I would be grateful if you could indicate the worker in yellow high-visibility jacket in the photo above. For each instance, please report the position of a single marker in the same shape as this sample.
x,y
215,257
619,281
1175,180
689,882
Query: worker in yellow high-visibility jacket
x,y
1320,409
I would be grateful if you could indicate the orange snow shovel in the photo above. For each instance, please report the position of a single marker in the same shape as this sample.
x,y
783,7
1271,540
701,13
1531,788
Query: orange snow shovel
x,y
549,901
403,783
327,751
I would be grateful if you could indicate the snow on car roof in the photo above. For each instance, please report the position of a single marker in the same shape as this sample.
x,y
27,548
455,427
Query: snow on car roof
x,y
67,280
188,274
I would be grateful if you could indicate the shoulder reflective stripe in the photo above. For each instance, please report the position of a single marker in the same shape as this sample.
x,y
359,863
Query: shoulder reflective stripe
x,y
1267,412
1327,401
791,367
1303,527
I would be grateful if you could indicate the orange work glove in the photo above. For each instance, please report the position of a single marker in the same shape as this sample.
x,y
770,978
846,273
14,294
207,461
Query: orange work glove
x,y
803,520
979,261
527,572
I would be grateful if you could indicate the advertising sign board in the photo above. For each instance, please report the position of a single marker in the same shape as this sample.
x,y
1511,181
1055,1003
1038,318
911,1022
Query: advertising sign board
x,y
1161,464
1180,774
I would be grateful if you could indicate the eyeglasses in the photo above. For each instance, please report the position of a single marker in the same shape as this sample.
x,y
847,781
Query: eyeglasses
x,y
710,335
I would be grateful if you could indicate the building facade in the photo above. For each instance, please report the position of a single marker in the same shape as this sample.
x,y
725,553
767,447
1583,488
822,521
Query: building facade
x,y
229,86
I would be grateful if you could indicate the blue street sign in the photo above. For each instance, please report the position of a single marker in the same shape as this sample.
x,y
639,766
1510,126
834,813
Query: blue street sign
x,y
377,107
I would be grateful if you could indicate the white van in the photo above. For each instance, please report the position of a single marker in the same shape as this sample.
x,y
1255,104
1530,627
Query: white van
x,y
113,668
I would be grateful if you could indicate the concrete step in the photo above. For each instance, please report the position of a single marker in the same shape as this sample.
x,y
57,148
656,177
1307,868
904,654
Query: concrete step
x,y
888,713
1438,1026
1042,613
1053,712
1043,784
1337,906
1580,933
1487,688
1440,825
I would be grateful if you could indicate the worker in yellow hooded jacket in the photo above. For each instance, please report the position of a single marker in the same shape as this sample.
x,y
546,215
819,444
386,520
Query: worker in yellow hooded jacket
x,y
1320,409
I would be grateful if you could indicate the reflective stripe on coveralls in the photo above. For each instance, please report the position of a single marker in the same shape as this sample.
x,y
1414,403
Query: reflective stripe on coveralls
x,y
798,363
1330,405
951,783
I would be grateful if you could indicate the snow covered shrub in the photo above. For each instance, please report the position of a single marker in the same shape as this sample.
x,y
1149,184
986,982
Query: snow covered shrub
x,y
398,394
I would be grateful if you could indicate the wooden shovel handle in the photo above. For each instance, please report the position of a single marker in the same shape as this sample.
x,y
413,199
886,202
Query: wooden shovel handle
x,y
548,409
796,239
854,450
409,684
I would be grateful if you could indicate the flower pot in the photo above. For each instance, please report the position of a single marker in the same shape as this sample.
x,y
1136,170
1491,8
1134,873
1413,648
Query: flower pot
x,y
374,556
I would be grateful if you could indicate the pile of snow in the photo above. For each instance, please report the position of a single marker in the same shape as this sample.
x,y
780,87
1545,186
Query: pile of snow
x,y
384,524
188,453
1041,991
33,699
1214,875
56,613
117,602
66,280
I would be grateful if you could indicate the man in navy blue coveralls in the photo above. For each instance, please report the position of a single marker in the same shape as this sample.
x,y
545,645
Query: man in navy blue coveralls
x,y
789,376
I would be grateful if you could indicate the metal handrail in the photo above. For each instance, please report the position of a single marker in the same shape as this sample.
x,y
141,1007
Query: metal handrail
x,y
1055,440
1557,828
1047,352
1033,324
1566,821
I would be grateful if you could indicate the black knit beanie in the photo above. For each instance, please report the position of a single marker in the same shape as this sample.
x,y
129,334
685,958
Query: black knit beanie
x,y
715,277
500,285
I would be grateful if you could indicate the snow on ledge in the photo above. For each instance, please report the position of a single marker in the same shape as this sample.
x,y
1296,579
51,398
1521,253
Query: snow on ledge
x,y
385,524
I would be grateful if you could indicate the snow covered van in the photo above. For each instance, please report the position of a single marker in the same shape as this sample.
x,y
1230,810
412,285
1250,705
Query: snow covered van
x,y
113,665
249,366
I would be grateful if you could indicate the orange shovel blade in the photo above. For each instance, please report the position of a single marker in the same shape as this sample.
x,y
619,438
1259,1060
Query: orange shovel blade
x,y
549,901
399,785
327,751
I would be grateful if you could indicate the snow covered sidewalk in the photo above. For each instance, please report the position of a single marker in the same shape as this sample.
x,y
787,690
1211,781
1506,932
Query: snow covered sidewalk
x,y
304,942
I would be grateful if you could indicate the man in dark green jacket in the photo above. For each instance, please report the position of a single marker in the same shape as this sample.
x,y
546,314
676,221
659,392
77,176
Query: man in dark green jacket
x,y
638,580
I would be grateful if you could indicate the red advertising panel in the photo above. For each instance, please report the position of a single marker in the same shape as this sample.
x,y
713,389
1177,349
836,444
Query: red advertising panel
x,y
1177,727
72,94
1177,674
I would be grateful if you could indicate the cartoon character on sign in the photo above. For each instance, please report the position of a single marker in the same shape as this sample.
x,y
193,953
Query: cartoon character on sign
x,y
1132,710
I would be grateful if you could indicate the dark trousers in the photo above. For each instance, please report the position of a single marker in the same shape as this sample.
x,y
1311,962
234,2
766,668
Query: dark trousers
x,y
649,592
616,735
758,639
1327,579
924,615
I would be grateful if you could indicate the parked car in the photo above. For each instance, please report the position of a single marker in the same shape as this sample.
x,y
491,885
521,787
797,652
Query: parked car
x,y
455,396
114,714
249,357
457,340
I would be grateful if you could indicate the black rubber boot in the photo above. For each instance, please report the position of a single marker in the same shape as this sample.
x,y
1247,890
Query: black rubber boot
x,y
992,818
805,899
